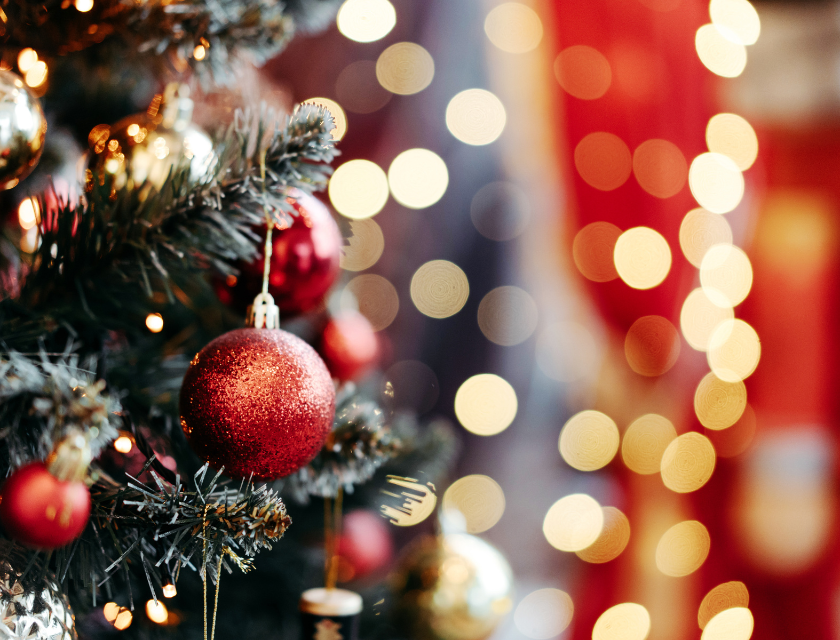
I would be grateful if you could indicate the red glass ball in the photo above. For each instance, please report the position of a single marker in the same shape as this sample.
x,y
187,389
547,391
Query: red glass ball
x,y
304,258
349,346
365,542
39,510
257,401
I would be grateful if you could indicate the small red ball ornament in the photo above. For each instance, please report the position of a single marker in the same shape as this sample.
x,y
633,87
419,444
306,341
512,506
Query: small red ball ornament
x,y
365,542
349,346
39,510
257,401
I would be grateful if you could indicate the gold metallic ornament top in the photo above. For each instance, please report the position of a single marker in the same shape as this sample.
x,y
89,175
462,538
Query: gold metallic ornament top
x,y
264,314
23,128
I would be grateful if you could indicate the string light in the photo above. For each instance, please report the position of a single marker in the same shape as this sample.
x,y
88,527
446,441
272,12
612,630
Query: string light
x,y
29,213
123,444
83,6
157,611
199,52
26,58
169,590
154,322
366,20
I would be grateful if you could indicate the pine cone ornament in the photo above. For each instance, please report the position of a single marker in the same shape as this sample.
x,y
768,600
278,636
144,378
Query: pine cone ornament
x,y
29,611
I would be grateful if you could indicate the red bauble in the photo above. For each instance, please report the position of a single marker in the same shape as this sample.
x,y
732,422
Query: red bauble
x,y
39,510
257,401
349,346
365,542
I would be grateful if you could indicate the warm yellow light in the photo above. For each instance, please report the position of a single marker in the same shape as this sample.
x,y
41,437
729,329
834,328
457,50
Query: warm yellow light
x,y
719,404
583,72
339,117
625,621
732,624
29,213
364,247
118,616
544,614
573,523
645,441
716,182
83,6
417,501
358,189
660,167
154,322
375,297
476,117
700,317
37,74
405,68
642,257
199,52
157,611
726,275
734,137
652,346
123,444
507,316
439,289
688,462
589,440
603,161
26,58
734,350
700,231
366,20
169,590
613,539
486,404
724,596
719,54
513,27
479,499
593,250
737,20
418,178
683,549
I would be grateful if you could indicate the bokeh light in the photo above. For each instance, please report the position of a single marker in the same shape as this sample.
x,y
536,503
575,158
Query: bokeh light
x,y
719,404
603,160
439,289
737,20
154,322
119,617
726,275
411,385
734,350
376,298
567,352
507,316
718,53
366,20
500,211
593,250
358,189
26,58
700,231
418,178
700,317
199,52
364,247
544,614
573,523
339,117
716,182
37,74
736,623
169,590
734,137
724,596
479,499
476,117
123,444
29,213
583,72
513,27
415,503
652,346
645,440
683,549
736,439
614,537
83,6
589,440
625,621
358,89
688,462
157,611
642,257
405,68
485,404
660,167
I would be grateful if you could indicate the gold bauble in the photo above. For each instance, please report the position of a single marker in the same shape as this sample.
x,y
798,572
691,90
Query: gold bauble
x,y
22,130
452,587
144,147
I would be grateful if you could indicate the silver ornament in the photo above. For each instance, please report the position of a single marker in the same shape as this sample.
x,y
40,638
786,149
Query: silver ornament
x,y
40,613
22,130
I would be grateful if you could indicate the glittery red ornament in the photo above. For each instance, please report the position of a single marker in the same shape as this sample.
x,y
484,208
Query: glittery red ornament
x,y
39,510
257,401
349,346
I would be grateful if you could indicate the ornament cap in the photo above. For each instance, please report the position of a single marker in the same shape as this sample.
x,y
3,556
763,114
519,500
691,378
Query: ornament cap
x,y
70,460
330,602
263,313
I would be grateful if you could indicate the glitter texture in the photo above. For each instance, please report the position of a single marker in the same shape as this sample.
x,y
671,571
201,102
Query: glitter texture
x,y
257,401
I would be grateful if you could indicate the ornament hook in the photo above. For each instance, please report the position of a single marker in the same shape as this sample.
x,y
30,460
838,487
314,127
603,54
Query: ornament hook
x,y
263,313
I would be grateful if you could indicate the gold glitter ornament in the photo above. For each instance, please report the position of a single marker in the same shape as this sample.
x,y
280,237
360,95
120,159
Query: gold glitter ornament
x,y
144,148
23,128
453,587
